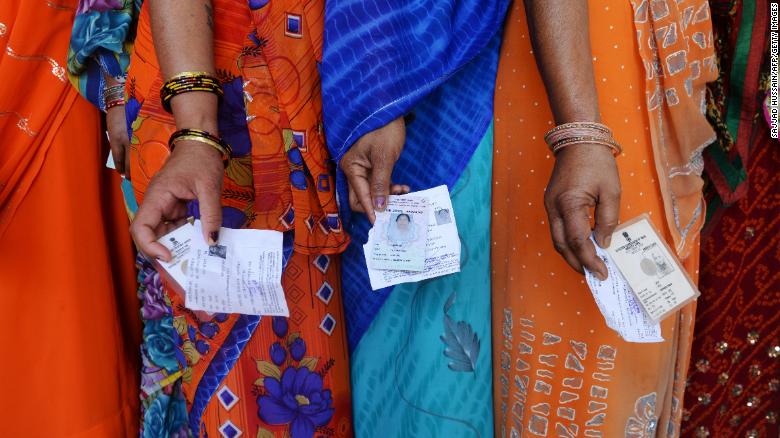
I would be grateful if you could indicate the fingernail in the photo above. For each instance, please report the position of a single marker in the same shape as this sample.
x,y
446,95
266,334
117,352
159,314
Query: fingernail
x,y
213,238
607,241
379,202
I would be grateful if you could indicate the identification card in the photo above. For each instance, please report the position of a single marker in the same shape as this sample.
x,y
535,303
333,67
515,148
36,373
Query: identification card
x,y
400,234
661,285
442,255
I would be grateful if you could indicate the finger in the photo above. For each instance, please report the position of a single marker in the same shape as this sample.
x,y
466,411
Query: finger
x,y
381,172
147,219
173,220
210,202
399,189
559,242
577,228
607,214
359,184
354,202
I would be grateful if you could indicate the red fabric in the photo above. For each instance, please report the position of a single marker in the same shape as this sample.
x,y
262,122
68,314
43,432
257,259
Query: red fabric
x,y
740,290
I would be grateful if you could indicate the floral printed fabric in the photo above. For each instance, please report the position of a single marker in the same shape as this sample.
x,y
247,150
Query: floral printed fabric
x,y
100,45
297,398
240,374
289,374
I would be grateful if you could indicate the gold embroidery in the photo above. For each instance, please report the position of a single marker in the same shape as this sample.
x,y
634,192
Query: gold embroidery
x,y
56,69
23,123
60,7
3,29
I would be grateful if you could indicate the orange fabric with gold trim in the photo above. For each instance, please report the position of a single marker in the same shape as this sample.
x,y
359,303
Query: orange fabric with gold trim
x,y
69,329
281,176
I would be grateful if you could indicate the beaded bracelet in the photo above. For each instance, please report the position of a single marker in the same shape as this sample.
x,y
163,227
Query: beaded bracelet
x,y
579,133
113,96
616,149
112,103
202,137
187,82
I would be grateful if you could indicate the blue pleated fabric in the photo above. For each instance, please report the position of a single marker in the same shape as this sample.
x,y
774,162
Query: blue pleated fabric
x,y
437,58
403,382
383,59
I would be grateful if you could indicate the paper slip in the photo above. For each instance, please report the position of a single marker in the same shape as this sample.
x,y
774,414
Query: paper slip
x,y
110,161
442,254
659,282
399,236
242,274
619,306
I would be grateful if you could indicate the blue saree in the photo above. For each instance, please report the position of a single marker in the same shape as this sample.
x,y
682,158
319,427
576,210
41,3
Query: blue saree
x,y
439,60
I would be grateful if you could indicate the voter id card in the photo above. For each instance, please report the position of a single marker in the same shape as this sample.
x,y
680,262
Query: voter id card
x,y
651,269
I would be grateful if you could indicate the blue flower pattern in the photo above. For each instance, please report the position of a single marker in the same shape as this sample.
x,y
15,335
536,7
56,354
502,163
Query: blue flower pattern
x,y
294,396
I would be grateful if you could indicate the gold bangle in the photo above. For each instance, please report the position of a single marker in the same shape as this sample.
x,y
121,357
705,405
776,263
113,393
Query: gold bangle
x,y
185,74
203,137
610,143
590,125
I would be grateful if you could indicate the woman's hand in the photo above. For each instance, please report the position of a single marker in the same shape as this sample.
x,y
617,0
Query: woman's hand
x,y
193,171
369,164
116,124
585,176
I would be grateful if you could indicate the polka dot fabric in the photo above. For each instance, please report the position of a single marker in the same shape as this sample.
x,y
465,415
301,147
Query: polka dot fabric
x,y
559,370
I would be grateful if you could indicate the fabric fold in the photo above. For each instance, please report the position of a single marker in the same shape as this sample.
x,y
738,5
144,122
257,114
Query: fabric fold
x,y
437,59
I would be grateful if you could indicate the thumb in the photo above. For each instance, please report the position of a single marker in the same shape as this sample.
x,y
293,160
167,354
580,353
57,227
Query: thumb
x,y
381,172
210,214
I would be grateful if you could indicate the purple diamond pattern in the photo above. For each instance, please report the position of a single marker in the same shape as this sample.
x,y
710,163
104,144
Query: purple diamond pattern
x,y
309,222
325,293
229,430
328,324
227,398
288,217
322,262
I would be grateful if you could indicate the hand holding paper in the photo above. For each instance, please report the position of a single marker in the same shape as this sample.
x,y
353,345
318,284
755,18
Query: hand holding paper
x,y
242,274
442,244
645,283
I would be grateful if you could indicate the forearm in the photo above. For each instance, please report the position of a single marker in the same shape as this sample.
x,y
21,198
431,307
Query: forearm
x,y
184,41
560,37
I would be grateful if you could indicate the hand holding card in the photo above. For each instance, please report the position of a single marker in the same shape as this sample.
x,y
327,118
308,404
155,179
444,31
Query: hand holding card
x,y
661,285
441,254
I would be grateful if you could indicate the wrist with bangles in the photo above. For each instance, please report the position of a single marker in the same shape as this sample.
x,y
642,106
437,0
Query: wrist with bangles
x,y
570,134
204,137
113,95
186,82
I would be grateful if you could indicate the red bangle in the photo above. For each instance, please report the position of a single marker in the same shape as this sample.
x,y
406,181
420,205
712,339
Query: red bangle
x,y
112,103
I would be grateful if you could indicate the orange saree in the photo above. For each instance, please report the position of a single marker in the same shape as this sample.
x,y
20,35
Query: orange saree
x,y
559,370
69,330
234,375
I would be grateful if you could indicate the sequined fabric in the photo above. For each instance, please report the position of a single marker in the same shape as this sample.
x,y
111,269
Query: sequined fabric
x,y
734,377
